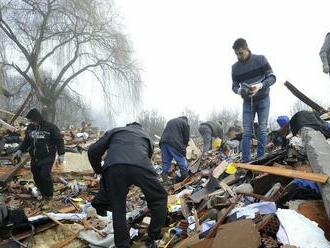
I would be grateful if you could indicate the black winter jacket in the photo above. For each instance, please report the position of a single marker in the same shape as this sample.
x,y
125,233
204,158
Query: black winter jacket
x,y
43,140
176,134
129,145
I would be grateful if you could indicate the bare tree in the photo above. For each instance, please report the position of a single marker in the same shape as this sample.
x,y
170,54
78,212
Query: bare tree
x,y
193,120
68,39
71,109
227,116
152,122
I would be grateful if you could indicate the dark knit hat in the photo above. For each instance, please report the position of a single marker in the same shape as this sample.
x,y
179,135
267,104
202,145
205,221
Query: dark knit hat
x,y
34,115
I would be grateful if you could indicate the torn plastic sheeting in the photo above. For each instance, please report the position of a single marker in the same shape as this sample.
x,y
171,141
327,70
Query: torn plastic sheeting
x,y
133,232
249,211
206,225
95,240
68,216
300,231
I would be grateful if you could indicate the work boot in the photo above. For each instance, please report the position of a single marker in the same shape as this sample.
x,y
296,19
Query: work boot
x,y
150,243
184,175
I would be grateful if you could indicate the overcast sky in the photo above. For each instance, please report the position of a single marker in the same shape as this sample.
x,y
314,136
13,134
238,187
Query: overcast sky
x,y
184,48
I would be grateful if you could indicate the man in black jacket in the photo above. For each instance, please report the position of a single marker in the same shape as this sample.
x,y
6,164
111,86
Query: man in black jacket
x,y
208,130
42,140
127,162
173,144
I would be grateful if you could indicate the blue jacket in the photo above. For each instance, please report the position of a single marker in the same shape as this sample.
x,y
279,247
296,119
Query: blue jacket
x,y
255,69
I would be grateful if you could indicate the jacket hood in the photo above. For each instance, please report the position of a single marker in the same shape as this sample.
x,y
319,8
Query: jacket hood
x,y
34,115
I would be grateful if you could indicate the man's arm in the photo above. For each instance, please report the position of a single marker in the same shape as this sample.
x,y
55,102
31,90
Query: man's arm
x,y
235,86
270,78
96,151
186,134
26,142
59,142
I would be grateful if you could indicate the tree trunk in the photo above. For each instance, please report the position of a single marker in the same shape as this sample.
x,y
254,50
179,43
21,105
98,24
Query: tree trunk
x,y
48,109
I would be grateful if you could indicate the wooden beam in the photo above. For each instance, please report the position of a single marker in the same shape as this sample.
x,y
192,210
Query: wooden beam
x,y
7,126
214,229
9,175
301,96
316,177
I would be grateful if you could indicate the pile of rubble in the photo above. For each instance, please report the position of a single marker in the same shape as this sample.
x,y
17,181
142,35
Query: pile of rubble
x,y
280,200
219,205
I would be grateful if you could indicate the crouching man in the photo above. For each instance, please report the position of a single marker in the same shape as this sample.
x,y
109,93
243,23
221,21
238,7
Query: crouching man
x,y
127,163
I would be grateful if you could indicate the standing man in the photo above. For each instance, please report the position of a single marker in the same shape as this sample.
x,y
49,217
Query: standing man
x,y
127,162
173,144
42,140
252,77
324,54
209,130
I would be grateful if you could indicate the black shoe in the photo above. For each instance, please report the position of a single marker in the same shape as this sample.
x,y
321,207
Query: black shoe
x,y
150,243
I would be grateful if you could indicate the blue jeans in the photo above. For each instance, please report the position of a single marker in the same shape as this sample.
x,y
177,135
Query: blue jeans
x,y
168,154
261,107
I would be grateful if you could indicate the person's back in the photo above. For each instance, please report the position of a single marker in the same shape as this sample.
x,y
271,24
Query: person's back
x,y
176,134
216,127
129,145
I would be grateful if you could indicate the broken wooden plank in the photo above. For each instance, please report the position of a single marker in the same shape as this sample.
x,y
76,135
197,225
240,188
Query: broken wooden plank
x,y
217,172
9,175
27,234
65,242
316,177
214,229
238,234
301,96
7,126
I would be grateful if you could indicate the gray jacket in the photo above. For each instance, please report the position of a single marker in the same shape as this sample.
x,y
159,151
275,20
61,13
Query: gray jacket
x,y
129,145
325,50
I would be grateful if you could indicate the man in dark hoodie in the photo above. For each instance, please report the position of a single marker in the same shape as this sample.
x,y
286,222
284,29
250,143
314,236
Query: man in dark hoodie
x,y
173,144
42,140
209,130
127,162
252,77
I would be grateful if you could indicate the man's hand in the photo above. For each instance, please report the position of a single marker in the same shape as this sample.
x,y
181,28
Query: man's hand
x,y
60,159
255,88
326,69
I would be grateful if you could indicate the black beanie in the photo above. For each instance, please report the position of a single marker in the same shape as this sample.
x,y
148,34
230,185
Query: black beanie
x,y
34,115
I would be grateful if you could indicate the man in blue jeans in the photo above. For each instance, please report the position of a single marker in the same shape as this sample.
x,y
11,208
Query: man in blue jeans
x,y
173,144
252,77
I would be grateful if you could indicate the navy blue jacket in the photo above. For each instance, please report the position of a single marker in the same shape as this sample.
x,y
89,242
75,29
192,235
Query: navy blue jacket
x,y
255,69
43,140
176,134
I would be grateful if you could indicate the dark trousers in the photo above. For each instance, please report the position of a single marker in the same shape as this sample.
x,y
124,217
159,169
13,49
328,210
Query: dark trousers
x,y
102,201
206,133
41,170
119,178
